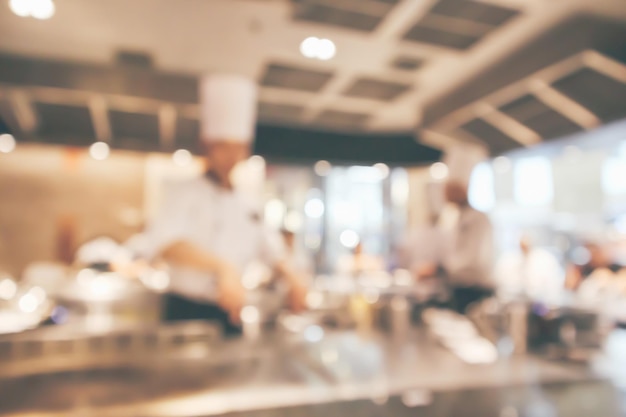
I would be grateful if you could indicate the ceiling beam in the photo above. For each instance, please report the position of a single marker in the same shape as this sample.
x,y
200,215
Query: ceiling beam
x,y
564,105
24,112
100,118
605,65
512,91
439,140
167,126
67,97
508,125
401,18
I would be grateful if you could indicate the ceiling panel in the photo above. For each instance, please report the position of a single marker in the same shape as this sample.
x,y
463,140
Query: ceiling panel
x,y
600,94
376,89
342,119
8,119
473,21
552,125
188,134
349,19
440,37
562,41
524,108
407,63
68,124
295,78
134,130
539,117
496,140
280,112
489,14
122,80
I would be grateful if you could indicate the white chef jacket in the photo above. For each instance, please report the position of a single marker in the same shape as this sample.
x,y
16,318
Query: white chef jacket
x,y
470,252
214,219
537,275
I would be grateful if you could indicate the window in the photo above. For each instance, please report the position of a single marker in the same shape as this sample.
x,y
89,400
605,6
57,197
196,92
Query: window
x,y
614,173
533,183
481,192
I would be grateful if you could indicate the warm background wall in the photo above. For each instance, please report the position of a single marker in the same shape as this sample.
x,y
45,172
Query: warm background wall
x,y
53,194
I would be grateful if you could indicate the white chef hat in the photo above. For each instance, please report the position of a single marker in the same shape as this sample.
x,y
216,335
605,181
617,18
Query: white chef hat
x,y
228,108
461,161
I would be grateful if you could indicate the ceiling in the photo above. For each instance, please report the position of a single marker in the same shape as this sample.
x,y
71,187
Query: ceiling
x,y
500,73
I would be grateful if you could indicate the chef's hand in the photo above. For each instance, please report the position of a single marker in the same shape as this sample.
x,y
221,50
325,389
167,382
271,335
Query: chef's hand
x,y
297,288
297,297
231,294
426,270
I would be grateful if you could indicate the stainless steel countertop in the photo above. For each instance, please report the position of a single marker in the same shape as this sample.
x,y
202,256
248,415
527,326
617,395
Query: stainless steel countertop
x,y
279,370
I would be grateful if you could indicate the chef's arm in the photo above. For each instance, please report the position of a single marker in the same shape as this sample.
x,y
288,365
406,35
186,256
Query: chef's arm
x,y
573,278
188,255
297,287
231,294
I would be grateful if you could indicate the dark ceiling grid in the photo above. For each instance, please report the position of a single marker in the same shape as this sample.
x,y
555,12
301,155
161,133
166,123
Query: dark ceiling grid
x,y
295,78
539,117
119,80
281,144
342,119
135,131
440,37
8,120
374,89
187,134
602,95
336,17
70,125
347,14
280,112
407,63
475,11
470,21
496,140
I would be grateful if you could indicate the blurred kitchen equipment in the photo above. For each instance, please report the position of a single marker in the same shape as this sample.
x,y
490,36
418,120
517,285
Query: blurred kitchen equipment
x,y
563,332
80,346
22,305
103,299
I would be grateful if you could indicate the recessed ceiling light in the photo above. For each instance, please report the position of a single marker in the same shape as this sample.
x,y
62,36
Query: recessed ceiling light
x,y
99,151
326,49
182,157
308,47
316,48
42,9
7,143
39,9
20,7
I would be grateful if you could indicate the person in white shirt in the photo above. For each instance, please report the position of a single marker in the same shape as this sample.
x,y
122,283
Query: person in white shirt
x,y
205,230
530,272
468,262
423,250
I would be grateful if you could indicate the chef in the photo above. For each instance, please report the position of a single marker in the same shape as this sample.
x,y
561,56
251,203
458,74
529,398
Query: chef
x,y
206,231
470,253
